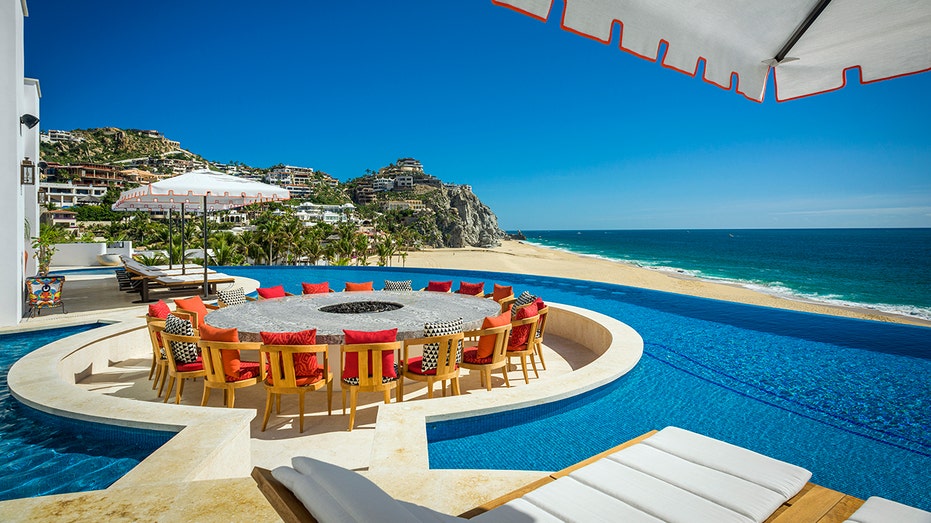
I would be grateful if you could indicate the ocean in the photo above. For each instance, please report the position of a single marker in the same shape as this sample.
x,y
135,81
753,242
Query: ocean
x,y
887,270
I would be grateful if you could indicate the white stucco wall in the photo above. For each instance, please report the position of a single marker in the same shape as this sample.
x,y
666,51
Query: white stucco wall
x,y
12,152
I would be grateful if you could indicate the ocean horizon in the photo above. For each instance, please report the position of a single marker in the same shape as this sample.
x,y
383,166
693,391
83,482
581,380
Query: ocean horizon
x,y
887,270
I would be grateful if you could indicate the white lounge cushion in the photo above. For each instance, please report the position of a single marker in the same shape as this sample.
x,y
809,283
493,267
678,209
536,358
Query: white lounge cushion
x,y
882,510
653,496
566,500
333,494
739,495
778,476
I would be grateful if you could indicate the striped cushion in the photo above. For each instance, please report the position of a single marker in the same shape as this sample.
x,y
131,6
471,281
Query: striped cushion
x,y
525,298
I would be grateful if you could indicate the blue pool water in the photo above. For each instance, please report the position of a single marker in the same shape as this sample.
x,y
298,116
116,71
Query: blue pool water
x,y
45,454
847,399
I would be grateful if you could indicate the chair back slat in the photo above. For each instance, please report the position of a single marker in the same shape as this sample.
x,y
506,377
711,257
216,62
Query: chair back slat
x,y
281,362
369,378
212,353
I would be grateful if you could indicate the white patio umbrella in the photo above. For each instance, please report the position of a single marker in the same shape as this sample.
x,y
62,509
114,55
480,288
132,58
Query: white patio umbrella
x,y
202,190
809,44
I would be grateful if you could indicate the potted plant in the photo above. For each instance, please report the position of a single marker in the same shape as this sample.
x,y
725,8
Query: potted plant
x,y
44,245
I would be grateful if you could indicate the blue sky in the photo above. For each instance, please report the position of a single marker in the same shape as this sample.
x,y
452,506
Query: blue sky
x,y
552,130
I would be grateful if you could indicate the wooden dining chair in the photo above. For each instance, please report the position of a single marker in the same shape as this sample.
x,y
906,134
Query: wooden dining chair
x,y
448,357
526,349
498,358
159,361
371,373
215,376
282,377
180,371
538,335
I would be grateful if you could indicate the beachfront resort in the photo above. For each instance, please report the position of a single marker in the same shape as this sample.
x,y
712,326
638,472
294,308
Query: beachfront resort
x,y
513,383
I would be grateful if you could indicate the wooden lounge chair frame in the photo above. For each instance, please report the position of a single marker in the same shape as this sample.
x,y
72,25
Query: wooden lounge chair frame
x,y
284,377
499,358
370,379
214,375
813,504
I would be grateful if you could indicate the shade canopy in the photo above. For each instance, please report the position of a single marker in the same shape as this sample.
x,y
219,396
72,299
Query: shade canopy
x,y
221,191
808,43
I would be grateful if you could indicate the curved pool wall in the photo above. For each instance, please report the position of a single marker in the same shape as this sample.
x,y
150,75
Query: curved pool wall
x,y
206,443
842,397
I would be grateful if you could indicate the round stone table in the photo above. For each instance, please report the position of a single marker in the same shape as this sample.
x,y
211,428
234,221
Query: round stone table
x,y
297,313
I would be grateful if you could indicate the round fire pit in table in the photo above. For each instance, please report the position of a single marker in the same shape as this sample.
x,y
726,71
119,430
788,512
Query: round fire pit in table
x,y
364,311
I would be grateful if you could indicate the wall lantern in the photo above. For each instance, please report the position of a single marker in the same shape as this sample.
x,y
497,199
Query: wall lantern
x,y
28,120
27,171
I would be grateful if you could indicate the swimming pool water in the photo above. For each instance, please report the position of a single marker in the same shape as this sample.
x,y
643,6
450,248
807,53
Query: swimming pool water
x,y
44,454
847,399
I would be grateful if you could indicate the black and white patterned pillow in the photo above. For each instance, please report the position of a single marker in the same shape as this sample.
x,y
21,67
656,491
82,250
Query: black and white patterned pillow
x,y
384,379
231,297
525,298
183,351
398,285
431,351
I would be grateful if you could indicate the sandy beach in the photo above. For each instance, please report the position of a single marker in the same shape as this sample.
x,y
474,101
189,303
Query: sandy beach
x,y
524,258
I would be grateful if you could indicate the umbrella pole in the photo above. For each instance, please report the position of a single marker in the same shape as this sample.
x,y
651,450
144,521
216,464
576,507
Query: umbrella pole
x,y
183,270
205,246
171,255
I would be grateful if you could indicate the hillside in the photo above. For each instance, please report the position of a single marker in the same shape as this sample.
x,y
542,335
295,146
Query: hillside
x,y
109,144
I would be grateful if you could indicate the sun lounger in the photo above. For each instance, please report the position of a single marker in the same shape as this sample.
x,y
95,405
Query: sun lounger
x,y
881,510
145,276
670,475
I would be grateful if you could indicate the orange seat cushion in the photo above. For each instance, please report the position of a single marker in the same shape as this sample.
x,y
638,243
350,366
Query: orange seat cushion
x,y
364,286
472,289
502,291
486,344
271,292
193,304
440,286
521,334
316,288
232,365
351,366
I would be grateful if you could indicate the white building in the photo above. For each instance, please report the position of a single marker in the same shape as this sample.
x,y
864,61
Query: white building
x,y
66,195
19,96
404,181
383,184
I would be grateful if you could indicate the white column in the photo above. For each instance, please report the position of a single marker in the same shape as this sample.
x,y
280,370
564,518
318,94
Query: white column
x,y
12,145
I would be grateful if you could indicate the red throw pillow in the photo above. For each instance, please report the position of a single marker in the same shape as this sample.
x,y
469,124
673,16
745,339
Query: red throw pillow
x,y
193,304
440,286
355,287
539,303
231,362
520,335
351,369
159,310
304,364
271,292
486,344
316,288
473,289
502,291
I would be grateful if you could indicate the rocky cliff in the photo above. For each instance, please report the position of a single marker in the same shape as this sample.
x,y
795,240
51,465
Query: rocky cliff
x,y
459,219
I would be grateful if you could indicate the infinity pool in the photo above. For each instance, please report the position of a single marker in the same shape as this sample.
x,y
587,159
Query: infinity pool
x,y
847,399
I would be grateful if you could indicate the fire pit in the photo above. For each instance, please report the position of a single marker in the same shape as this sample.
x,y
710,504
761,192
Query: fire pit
x,y
361,307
